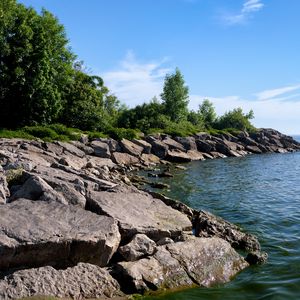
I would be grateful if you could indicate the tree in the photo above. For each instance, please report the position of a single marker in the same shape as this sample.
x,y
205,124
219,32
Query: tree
x,y
207,113
175,97
236,119
35,65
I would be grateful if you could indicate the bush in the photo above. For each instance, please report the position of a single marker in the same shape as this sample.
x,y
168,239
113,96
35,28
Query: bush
x,y
95,135
19,134
123,133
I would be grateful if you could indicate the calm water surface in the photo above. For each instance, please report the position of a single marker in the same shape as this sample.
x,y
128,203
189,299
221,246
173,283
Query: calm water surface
x,y
261,193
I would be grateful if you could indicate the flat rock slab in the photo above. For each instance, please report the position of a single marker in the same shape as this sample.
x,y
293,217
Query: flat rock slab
x,y
201,261
138,212
81,281
34,234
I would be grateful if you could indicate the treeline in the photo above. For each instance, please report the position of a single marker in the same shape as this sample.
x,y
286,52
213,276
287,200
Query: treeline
x,y
42,83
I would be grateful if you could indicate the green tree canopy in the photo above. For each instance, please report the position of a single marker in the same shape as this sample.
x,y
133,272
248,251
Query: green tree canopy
x,y
236,119
35,65
207,113
175,97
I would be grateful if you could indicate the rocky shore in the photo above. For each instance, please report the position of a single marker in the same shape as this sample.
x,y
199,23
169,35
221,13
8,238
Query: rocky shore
x,y
73,224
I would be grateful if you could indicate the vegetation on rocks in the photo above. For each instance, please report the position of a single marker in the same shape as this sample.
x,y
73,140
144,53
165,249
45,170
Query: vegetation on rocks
x,y
42,83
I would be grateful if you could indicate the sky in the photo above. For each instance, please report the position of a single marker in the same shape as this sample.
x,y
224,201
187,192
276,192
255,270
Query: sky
x,y
236,53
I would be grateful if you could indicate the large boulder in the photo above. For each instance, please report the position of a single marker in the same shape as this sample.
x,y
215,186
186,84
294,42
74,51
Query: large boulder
x,y
178,156
34,234
159,148
139,246
4,191
79,282
124,159
209,225
189,143
138,212
131,148
101,149
172,144
201,261
206,146
69,148
145,145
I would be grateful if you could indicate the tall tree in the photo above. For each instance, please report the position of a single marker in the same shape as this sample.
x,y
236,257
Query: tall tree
x,y
35,65
207,113
175,96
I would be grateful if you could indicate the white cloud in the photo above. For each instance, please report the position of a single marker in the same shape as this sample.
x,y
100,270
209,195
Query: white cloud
x,y
248,9
135,82
268,94
269,111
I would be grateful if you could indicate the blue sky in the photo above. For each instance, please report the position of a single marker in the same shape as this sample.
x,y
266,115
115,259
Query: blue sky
x,y
237,53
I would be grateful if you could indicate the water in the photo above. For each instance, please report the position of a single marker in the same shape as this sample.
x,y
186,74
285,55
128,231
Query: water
x,y
261,193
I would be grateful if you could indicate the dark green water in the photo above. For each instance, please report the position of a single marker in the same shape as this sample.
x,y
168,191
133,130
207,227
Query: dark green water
x,y
262,194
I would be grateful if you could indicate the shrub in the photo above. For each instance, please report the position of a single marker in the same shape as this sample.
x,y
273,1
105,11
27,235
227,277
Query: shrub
x,y
123,133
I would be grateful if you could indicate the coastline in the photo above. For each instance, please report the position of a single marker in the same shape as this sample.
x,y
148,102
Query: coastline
x,y
59,169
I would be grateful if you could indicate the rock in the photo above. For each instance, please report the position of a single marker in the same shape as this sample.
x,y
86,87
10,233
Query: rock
x,y
131,148
124,159
178,156
159,185
79,282
179,167
164,241
215,154
195,155
208,261
205,146
159,148
253,149
99,162
201,261
69,148
164,174
150,159
54,148
160,271
4,191
208,225
140,246
35,188
145,145
34,234
101,149
189,143
138,212
257,258
83,147
172,144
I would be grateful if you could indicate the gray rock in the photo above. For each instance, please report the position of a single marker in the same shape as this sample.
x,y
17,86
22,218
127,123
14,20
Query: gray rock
x,y
178,156
139,246
101,149
150,159
34,234
209,225
138,212
164,241
79,282
202,261
124,159
145,145
69,148
35,188
189,143
159,148
4,191
131,148
208,261
206,146
253,149
257,258
172,144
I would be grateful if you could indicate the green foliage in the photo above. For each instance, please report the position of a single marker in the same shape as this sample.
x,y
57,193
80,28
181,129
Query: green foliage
x,y
175,97
123,133
14,176
183,128
96,135
207,113
18,134
35,65
236,119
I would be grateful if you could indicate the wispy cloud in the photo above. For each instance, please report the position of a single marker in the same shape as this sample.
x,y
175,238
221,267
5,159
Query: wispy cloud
x,y
135,82
269,94
277,108
248,9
